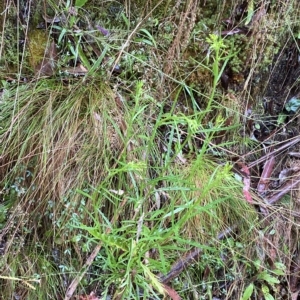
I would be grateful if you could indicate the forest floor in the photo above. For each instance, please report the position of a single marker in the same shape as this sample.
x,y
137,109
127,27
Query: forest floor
x,y
150,150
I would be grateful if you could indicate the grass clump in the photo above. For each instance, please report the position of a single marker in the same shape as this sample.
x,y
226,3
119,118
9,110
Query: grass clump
x,y
92,174
143,235
46,126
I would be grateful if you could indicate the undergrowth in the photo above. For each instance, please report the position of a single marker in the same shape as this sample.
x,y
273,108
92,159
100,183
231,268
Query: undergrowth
x,y
119,178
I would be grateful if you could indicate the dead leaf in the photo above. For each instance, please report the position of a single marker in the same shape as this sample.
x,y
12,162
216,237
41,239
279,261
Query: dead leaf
x,y
91,296
172,293
181,158
286,188
79,70
55,19
246,181
48,64
234,31
97,117
266,174
117,192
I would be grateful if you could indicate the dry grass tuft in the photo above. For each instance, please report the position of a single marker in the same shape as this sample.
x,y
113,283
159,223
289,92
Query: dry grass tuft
x,y
186,24
57,140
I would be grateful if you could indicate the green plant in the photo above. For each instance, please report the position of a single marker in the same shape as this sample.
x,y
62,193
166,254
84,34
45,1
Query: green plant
x,y
126,260
219,55
137,167
264,280
130,222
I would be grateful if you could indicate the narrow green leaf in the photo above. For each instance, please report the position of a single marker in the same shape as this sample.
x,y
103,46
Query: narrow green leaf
x,y
147,42
83,57
147,33
280,267
278,272
62,34
265,289
248,292
250,12
266,293
109,240
153,279
125,19
80,3
268,278
99,60
83,193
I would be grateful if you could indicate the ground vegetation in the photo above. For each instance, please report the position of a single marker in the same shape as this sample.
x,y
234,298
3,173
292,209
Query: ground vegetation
x,y
149,149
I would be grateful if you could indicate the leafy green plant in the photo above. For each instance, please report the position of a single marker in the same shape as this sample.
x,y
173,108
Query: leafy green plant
x,y
219,55
292,105
264,280
127,244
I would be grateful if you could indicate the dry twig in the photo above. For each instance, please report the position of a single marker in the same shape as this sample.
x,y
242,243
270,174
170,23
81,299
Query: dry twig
x,y
190,257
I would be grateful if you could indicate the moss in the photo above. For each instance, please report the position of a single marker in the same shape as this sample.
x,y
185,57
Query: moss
x,y
38,40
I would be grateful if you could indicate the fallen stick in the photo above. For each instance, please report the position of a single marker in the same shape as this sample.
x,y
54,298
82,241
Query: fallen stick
x,y
72,287
183,262
266,175
287,187
286,145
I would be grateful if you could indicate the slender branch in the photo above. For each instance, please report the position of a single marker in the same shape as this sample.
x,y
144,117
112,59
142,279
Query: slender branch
x,y
190,257
287,187
286,145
